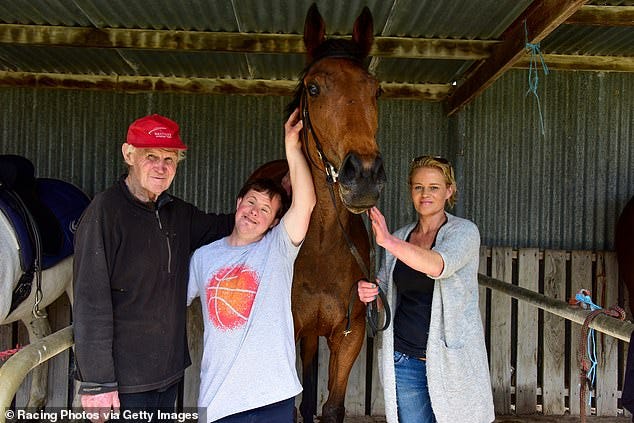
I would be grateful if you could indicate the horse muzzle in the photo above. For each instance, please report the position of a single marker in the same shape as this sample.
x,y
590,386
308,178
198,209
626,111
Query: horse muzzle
x,y
361,181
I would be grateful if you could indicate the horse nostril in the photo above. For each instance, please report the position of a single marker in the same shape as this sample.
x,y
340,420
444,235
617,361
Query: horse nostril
x,y
353,169
350,168
378,171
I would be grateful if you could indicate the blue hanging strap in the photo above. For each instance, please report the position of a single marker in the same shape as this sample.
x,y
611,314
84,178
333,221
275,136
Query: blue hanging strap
x,y
533,74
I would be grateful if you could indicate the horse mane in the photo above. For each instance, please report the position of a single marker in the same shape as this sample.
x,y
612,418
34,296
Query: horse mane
x,y
334,47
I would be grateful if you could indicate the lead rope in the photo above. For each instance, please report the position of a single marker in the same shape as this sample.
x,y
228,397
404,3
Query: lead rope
x,y
331,179
587,353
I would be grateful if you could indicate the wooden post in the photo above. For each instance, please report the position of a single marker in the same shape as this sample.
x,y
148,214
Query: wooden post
x,y
581,277
58,368
554,334
607,347
501,333
527,332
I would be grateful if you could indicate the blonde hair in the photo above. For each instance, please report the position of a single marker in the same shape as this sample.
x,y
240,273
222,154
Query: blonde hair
x,y
180,154
443,165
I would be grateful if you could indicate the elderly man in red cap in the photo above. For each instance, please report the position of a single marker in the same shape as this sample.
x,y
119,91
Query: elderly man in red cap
x,y
132,253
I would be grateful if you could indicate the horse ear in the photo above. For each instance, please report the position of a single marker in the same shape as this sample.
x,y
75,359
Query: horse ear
x,y
363,31
314,30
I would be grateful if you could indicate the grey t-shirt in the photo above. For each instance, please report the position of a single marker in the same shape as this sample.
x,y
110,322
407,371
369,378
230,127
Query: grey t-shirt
x,y
249,345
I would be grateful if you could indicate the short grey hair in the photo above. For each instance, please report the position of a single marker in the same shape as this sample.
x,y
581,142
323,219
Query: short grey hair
x,y
180,153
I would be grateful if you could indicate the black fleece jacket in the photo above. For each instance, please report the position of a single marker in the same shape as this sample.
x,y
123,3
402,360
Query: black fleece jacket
x,y
131,268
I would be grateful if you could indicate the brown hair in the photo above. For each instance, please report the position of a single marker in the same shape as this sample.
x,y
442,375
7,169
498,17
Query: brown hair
x,y
270,187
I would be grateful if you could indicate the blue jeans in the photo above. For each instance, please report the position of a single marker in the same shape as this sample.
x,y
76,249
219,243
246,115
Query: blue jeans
x,y
412,397
278,412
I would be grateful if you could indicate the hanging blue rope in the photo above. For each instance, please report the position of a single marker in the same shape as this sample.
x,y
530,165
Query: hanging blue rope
x,y
586,301
533,74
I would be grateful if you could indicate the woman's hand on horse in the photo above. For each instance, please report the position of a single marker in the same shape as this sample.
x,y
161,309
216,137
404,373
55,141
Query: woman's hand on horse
x,y
367,291
379,226
100,405
292,128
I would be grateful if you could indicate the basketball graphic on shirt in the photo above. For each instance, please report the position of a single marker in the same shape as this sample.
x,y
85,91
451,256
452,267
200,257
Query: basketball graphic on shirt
x,y
230,295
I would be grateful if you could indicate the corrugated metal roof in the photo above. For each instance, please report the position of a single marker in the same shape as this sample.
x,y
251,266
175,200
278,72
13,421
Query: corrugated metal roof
x,y
421,71
590,40
482,19
472,20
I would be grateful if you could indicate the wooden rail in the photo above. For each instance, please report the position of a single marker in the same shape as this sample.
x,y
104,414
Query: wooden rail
x,y
13,372
602,323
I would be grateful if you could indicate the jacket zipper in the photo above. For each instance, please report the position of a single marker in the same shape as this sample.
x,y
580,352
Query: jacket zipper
x,y
167,239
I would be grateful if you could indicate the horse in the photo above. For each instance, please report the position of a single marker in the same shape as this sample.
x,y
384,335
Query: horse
x,y
337,98
38,218
624,236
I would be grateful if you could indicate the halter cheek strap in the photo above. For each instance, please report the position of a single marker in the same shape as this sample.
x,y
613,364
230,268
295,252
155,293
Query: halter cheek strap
x,y
332,174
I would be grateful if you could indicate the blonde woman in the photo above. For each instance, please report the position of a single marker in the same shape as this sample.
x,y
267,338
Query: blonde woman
x,y
433,358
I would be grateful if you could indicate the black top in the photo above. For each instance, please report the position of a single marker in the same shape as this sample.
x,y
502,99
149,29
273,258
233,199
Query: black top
x,y
131,269
413,309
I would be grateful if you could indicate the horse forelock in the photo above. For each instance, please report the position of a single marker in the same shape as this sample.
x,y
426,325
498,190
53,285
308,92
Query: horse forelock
x,y
334,47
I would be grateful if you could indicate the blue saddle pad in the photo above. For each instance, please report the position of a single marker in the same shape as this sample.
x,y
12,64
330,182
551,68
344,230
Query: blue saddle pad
x,y
65,200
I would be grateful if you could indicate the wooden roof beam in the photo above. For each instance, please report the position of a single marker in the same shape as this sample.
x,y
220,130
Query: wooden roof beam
x,y
217,86
143,39
570,62
541,18
603,16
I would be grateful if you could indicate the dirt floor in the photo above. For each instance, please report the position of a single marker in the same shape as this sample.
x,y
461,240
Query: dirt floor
x,y
512,419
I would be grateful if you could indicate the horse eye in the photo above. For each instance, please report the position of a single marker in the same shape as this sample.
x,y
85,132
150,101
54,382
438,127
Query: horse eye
x,y
313,89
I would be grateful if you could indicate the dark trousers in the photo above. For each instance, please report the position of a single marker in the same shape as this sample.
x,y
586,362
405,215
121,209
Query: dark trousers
x,y
135,408
278,412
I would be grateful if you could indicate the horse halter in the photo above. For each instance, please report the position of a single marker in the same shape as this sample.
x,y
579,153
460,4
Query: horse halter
x,y
332,173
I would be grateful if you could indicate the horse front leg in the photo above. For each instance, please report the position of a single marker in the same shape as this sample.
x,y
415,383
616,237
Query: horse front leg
x,y
38,328
308,350
343,353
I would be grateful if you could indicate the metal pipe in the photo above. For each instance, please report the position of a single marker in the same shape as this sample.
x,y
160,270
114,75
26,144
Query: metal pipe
x,y
609,325
13,372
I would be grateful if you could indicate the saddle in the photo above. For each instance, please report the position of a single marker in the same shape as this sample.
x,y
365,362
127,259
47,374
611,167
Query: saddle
x,y
44,214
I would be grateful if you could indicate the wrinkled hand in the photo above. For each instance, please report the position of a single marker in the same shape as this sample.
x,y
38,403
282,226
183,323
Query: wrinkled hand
x,y
379,227
102,404
367,291
292,128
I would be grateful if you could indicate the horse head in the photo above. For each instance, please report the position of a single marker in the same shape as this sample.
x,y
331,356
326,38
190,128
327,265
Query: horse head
x,y
338,102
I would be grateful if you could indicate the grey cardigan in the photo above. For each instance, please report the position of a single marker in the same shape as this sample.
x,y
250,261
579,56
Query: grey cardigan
x,y
457,364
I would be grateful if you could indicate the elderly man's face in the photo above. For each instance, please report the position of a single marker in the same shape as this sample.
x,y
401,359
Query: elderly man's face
x,y
151,171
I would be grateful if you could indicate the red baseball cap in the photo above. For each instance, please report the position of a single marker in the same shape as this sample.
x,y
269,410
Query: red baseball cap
x,y
155,131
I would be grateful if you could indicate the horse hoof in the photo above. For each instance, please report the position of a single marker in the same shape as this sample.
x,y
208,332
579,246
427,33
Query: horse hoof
x,y
332,414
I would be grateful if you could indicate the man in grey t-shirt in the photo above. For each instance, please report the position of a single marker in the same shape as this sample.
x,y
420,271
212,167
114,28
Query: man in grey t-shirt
x,y
244,281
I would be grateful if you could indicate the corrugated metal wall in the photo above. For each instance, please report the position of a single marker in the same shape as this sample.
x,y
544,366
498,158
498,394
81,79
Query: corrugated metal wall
x,y
561,191
76,136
